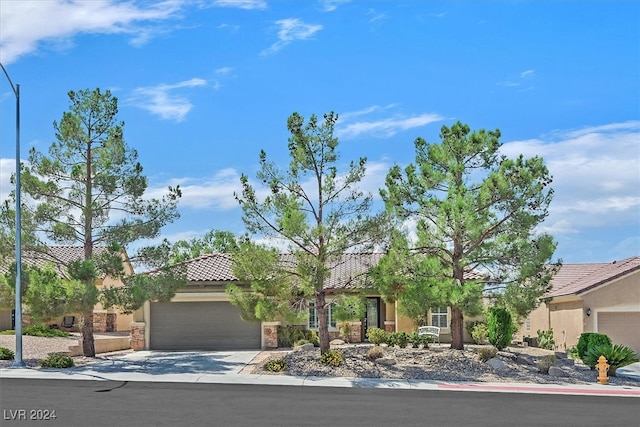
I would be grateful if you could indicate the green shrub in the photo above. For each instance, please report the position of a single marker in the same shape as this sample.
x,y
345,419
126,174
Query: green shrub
x,y
416,340
545,362
376,335
401,339
486,353
500,327
545,339
332,358
300,343
290,334
480,333
57,360
588,340
6,354
617,356
375,352
8,332
275,365
43,331
572,352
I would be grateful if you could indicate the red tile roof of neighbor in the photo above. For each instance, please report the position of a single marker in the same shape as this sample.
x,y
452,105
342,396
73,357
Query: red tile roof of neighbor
x,y
59,256
345,273
574,279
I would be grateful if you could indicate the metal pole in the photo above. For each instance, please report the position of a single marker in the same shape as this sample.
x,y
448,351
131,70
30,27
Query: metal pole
x,y
18,362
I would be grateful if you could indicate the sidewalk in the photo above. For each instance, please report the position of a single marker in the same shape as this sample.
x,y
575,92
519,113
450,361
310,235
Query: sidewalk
x,y
235,368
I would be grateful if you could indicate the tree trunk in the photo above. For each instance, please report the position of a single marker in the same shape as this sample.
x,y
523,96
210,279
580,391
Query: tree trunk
x,y
88,347
457,329
323,322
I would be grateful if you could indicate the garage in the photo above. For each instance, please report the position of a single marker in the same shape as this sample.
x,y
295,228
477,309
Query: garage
x,y
621,327
201,326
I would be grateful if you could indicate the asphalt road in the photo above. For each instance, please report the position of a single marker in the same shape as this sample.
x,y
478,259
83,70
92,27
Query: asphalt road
x,y
109,403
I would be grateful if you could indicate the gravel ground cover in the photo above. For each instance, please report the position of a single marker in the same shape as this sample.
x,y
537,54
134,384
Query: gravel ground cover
x,y
439,363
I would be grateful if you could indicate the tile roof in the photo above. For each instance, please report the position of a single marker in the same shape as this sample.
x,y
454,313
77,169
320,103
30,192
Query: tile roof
x,y
59,256
575,279
345,273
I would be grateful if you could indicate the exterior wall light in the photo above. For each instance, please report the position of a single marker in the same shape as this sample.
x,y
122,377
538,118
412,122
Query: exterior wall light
x,y
589,311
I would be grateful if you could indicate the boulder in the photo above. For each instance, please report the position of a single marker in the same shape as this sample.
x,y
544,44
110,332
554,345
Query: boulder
x,y
525,359
385,361
337,342
556,371
305,347
497,364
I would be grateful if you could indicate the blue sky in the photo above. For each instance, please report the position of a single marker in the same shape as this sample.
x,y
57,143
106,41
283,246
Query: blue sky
x,y
204,85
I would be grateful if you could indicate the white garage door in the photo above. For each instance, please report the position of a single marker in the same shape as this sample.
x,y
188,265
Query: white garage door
x,y
622,327
201,326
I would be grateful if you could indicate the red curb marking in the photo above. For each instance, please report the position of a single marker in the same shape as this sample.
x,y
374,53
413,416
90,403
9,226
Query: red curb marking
x,y
540,389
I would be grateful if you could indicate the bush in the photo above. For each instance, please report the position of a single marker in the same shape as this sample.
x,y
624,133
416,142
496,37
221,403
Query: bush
x,y
275,365
588,340
572,352
478,331
332,358
43,331
57,361
6,354
500,328
300,343
486,353
545,339
290,334
416,340
401,339
375,352
545,362
376,335
617,356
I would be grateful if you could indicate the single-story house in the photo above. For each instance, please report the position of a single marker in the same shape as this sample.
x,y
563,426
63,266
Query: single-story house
x,y
104,320
200,316
595,297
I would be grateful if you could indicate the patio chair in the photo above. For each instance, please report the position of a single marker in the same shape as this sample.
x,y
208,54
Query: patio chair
x,y
68,321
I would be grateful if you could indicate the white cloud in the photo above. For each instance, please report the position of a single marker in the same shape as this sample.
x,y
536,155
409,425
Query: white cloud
x,y
241,4
381,127
595,175
224,70
527,74
7,167
290,30
162,101
524,77
26,24
331,5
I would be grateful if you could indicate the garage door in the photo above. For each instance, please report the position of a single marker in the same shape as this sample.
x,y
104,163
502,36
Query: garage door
x,y
622,327
201,326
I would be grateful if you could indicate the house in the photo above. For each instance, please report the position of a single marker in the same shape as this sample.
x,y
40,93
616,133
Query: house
x,y
105,320
200,316
599,297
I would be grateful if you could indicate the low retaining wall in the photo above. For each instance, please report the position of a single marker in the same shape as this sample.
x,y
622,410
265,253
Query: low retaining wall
x,y
103,345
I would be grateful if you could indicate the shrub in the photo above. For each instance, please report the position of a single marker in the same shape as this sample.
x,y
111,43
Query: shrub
x,y
545,362
480,333
375,352
617,356
345,330
290,334
591,339
332,358
57,360
299,343
401,339
8,332
6,354
486,353
545,339
500,328
275,365
416,340
572,352
43,331
376,335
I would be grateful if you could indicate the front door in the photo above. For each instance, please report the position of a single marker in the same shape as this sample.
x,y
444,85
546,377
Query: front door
x,y
372,318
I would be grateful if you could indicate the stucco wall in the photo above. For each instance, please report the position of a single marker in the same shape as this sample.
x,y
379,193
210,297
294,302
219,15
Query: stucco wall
x,y
567,323
619,295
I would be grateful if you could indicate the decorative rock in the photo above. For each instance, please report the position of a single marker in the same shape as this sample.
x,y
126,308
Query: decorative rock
x,y
561,354
497,364
337,342
566,362
305,347
507,355
524,359
385,361
556,371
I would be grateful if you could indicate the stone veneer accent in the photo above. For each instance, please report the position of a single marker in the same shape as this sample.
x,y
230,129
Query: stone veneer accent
x,y
270,334
389,326
137,336
99,322
111,322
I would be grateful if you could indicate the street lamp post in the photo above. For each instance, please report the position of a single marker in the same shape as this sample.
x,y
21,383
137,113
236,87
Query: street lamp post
x,y
18,310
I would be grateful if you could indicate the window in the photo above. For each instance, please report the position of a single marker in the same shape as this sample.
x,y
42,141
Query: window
x,y
439,317
313,316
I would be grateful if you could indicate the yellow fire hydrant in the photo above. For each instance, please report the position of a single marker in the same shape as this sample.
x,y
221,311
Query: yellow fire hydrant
x,y
603,367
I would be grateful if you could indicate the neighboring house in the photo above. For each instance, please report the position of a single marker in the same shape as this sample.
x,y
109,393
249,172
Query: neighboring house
x,y
105,320
200,316
602,297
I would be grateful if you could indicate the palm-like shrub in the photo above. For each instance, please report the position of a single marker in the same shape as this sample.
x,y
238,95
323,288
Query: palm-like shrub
x,y
617,356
